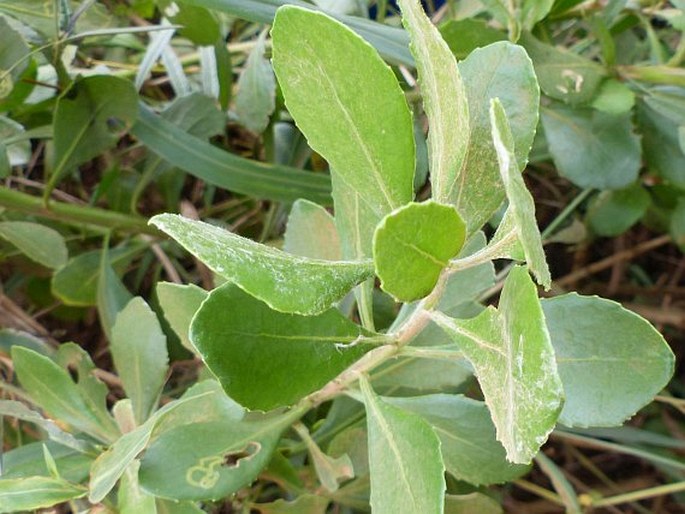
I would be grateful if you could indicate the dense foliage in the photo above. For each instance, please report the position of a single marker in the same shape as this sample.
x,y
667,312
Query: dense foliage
x,y
356,323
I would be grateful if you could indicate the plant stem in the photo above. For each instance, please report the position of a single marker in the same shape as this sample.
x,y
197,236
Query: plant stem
x,y
568,210
77,215
640,495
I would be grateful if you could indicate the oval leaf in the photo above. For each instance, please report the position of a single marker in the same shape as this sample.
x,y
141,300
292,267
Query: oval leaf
x,y
413,244
513,358
611,361
266,359
287,283
21,494
39,243
444,100
407,473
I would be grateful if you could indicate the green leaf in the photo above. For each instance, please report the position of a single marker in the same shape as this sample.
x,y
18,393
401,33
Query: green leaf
x,y
225,170
20,494
198,24
514,361
139,351
76,283
661,143
614,97
611,361
18,410
416,241
180,303
503,71
51,387
303,504
287,283
39,243
112,295
29,460
131,499
40,15
521,204
209,461
467,437
17,145
256,97
174,507
444,100
592,148
613,212
90,117
266,359
329,470
10,337
93,391
311,232
465,36
365,133
563,75
13,50
472,503
407,472
192,407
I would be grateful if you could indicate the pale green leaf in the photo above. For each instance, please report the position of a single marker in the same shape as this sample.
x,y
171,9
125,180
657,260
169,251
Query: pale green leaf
x,y
592,148
174,507
329,470
130,498
304,504
112,296
532,11
413,244
501,70
190,408
287,283
17,145
28,460
468,444
39,243
77,282
311,232
472,503
444,100
20,494
139,351
407,471
180,303
349,105
611,361
90,117
206,461
51,387
513,358
266,359
13,50
256,97
614,97
521,204
563,75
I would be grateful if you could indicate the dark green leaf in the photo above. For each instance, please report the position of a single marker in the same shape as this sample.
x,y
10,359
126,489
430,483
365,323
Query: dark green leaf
x,y
464,36
613,212
266,359
13,50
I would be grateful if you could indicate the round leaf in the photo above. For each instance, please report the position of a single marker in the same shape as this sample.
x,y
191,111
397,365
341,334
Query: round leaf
x,y
413,244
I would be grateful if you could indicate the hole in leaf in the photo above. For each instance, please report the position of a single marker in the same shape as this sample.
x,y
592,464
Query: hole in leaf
x,y
233,459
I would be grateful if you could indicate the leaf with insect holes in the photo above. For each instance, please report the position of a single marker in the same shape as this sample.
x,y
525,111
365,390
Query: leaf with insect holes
x,y
514,361
287,283
412,246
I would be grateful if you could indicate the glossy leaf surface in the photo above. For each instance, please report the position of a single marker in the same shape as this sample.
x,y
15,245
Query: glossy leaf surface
x,y
266,359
